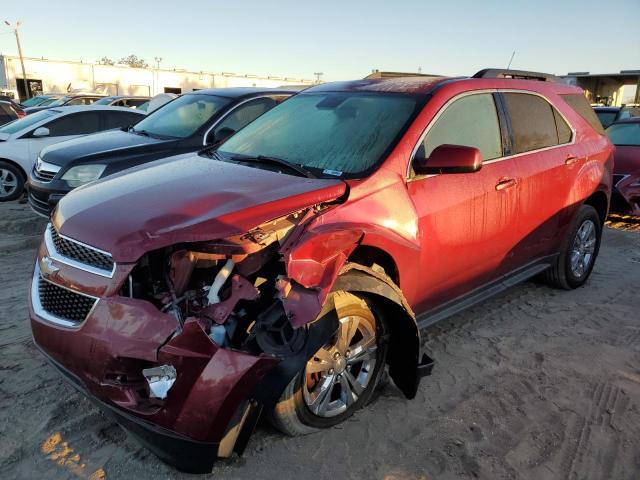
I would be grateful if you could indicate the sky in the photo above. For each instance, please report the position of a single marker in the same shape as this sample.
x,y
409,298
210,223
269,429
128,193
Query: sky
x,y
343,39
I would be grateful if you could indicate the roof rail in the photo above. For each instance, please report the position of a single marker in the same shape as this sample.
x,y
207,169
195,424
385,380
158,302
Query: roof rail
x,y
517,74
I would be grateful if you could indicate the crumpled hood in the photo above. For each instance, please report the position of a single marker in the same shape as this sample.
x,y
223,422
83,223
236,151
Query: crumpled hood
x,y
626,160
109,146
186,198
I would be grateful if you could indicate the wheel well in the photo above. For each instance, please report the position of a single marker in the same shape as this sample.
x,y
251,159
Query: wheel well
x,y
20,169
367,255
598,200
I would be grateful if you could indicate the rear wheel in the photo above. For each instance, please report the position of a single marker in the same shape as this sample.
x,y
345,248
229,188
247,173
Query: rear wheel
x,y
340,377
11,182
579,251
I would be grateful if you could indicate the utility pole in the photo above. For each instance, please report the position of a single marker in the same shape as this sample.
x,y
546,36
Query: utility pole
x,y
318,76
24,74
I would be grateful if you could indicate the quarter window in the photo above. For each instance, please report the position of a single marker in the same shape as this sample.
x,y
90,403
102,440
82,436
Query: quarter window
x,y
564,130
532,122
470,121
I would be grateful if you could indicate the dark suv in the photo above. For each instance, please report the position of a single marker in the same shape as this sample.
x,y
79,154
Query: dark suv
x,y
186,124
286,270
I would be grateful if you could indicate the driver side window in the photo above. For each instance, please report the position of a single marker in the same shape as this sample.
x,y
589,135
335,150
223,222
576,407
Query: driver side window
x,y
470,121
239,118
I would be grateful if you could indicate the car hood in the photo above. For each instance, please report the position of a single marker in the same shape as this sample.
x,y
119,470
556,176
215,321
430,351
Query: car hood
x,y
105,146
187,198
4,137
626,160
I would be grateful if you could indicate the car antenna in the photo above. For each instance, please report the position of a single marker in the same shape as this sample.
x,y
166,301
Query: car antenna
x,y
511,59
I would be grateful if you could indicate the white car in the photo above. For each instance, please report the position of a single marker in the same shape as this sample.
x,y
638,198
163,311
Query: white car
x,y
22,140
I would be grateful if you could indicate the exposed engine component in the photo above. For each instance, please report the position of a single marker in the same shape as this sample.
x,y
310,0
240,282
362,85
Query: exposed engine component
x,y
221,278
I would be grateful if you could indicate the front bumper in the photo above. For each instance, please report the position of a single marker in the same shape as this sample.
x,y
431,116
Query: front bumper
x,y
625,197
44,196
206,411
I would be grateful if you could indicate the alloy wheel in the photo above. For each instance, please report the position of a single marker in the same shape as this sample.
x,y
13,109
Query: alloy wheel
x,y
8,182
584,246
338,374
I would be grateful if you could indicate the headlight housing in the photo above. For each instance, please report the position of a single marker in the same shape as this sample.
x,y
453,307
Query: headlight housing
x,y
82,174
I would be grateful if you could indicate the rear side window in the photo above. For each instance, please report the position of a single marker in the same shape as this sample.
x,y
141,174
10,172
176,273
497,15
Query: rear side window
x,y
579,103
120,119
6,114
533,122
471,121
564,130
74,124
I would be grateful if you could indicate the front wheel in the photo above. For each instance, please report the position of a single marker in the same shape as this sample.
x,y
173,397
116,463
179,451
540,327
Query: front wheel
x,y
11,182
579,251
341,376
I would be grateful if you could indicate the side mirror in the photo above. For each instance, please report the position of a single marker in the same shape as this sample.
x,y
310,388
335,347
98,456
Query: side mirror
x,y
40,132
449,159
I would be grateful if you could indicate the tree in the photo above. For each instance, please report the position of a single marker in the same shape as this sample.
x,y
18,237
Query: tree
x,y
106,61
134,62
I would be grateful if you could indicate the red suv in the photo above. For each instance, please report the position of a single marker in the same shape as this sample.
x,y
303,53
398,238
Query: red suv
x,y
285,270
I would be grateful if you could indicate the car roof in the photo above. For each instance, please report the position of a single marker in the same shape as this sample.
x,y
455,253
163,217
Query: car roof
x,y
91,108
627,120
423,85
607,109
126,96
239,92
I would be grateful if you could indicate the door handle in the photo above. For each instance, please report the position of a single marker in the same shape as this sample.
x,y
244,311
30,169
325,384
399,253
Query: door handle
x,y
571,159
505,183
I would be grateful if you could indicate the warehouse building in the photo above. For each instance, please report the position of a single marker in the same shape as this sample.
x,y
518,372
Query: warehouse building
x,y
49,76
611,89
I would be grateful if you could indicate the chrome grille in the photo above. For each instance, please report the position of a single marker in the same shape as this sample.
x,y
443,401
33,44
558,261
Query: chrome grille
x,y
45,171
63,303
81,253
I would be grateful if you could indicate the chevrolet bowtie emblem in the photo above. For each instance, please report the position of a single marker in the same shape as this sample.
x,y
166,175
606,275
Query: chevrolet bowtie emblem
x,y
47,267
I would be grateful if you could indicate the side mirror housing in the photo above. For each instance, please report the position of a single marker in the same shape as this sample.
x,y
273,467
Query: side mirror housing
x,y
449,159
40,132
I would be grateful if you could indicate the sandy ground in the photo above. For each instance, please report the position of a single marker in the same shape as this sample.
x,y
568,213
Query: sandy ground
x,y
535,384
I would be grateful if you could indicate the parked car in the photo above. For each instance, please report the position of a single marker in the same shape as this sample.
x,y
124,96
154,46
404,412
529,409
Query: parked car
x,y
7,113
40,100
16,107
625,135
22,140
186,124
66,101
284,270
123,101
157,101
609,115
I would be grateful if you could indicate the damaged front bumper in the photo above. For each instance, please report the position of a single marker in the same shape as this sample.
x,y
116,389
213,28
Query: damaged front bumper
x,y
209,411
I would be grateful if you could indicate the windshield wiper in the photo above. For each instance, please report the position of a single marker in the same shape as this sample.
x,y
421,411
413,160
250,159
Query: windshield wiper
x,y
278,161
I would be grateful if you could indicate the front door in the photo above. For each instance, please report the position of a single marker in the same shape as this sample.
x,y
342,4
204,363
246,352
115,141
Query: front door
x,y
466,221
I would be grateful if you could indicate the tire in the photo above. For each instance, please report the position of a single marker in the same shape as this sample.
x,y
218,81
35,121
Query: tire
x,y
11,182
564,274
301,409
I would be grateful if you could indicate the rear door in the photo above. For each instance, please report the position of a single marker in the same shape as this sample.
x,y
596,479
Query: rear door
x,y
547,160
466,221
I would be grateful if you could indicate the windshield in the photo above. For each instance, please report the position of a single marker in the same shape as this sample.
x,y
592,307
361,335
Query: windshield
x,y
32,102
28,121
337,132
105,101
59,101
606,118
624,134
182,117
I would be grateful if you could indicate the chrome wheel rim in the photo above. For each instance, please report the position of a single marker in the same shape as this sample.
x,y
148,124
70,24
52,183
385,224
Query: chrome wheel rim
x,y
8,182
584,247
338,374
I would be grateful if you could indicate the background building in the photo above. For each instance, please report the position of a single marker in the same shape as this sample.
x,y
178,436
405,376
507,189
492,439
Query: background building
x,y
614,89
48,76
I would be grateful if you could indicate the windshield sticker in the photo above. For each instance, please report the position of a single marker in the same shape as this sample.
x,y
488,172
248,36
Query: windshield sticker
x,y
335,173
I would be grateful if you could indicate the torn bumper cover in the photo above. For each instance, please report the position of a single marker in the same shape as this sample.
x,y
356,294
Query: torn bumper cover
x,y
207,409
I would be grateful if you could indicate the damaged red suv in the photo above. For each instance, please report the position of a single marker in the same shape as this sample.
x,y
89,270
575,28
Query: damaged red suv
x,y
285,271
